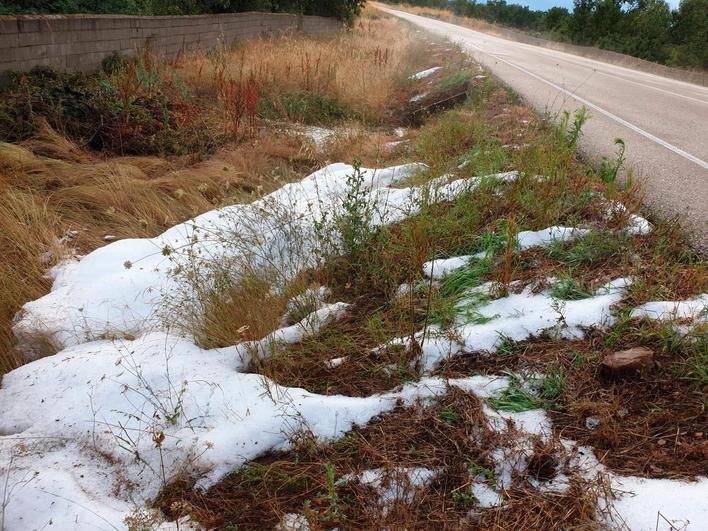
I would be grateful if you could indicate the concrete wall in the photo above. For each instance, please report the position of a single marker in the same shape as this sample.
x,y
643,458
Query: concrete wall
x,y
80,42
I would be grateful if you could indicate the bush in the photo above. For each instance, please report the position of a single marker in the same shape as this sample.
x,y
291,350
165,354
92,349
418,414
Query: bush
x,y
345,10
132,111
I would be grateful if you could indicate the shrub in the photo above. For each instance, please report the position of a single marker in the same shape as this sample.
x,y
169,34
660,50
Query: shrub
x,y
133,111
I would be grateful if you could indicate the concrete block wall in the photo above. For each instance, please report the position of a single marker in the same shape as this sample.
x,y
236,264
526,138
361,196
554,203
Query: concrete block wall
x,y
80,42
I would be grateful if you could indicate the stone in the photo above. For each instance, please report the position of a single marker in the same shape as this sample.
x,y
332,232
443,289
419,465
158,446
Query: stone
x,y
633,359
592,423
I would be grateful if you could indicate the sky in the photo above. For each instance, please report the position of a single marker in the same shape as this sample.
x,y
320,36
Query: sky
x,y
546,4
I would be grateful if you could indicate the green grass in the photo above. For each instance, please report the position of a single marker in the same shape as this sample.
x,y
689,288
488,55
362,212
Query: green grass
x,y
456,80
440,141
594,247
306,107
514,399
567,288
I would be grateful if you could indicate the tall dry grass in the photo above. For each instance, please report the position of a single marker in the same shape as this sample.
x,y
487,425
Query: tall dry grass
x,y
447,16
56,198
68,201
361,68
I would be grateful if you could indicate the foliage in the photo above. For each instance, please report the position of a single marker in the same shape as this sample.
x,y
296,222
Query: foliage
x,y
345,10
134,111
609,169
304,106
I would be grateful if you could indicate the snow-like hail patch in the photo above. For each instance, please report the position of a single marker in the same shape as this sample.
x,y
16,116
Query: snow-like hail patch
x,y
135,414
635,224
517,316
441,267
124,288
398,484
661,504
540,238
425,73
696,309
319,135
437,269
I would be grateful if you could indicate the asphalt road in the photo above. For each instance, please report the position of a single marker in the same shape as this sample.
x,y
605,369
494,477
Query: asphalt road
x,y
663,122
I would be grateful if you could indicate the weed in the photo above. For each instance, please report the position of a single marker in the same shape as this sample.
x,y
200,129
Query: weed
x,y
479,471
610,168
571,131
305,107
334,508
596,246
455,81
450,416
554,382
507,346
463,498
567,288
513,399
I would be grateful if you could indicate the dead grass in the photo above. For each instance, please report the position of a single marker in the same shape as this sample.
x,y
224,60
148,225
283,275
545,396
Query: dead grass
x,y
71,203
360,70
650,425
449,436
58,198
447,16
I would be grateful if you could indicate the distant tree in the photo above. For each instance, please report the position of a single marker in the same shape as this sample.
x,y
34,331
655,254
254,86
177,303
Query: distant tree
x,y
648,27
643,28
690,33
556,18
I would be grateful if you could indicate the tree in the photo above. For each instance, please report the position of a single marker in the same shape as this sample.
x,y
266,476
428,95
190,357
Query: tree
x,y
690,32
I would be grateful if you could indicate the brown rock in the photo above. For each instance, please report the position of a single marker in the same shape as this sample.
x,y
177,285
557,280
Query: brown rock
x,y
633,359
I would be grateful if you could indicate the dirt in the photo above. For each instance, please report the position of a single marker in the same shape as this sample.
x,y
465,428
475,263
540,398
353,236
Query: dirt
x,y
651,424
448,435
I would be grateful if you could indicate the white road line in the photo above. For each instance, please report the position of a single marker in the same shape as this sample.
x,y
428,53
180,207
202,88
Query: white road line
x,y
622,78
703,164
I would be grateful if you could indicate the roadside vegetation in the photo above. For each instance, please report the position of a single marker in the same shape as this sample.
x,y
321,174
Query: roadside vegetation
x,y
146,144
648,30
346,10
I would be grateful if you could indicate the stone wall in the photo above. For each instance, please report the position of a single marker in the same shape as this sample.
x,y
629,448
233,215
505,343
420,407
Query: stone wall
x,y
80,42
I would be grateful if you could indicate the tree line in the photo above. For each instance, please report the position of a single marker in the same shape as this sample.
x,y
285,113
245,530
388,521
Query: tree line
x,y
345,10
647,29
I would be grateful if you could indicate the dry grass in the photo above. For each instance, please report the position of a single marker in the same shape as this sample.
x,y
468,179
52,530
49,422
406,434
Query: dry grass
x,y
360,69
449,435
53,207
447,16
57,198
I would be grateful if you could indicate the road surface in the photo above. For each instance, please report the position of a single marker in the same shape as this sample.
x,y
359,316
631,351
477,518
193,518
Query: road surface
x,y
663,122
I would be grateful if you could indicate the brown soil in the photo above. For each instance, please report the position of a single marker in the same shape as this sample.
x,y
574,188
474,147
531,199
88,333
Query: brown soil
x,y
450,435
651,425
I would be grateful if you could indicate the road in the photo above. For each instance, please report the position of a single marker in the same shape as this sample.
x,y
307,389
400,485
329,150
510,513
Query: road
x,y
663,122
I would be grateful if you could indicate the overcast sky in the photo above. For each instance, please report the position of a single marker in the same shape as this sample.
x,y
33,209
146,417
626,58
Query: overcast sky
x,y
545,4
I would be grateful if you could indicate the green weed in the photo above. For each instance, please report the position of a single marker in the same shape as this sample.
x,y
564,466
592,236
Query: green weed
x,y
596,246
514,398
567,288
609,169
571,131
306,107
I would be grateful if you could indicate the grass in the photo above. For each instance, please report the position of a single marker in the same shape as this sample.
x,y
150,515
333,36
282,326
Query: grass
x,y
358,82
53,185
567,288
